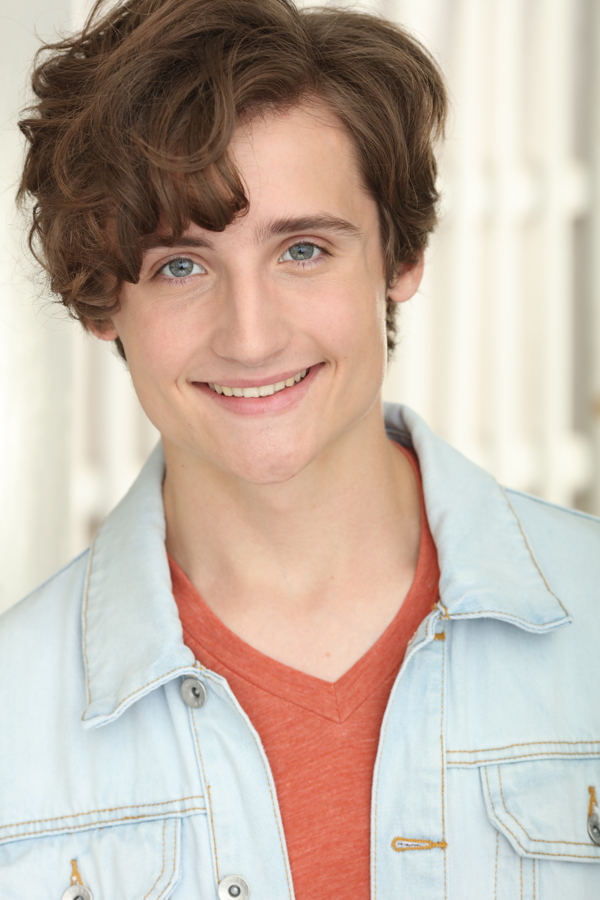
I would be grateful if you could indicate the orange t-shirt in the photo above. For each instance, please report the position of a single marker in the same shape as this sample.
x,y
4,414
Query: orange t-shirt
x,y
320,738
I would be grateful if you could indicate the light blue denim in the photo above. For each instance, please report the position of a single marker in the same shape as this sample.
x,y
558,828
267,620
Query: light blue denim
x,y
489,746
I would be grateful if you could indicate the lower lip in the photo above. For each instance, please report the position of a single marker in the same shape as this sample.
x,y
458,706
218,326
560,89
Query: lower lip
x,y
260,406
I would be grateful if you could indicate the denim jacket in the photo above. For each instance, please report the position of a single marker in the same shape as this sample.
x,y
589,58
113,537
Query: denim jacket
x,y
130,772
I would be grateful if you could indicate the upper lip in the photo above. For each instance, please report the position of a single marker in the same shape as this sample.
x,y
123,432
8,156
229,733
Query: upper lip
x,y
256,382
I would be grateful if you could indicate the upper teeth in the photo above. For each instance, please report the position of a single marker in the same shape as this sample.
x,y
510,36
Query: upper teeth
x,y
265,390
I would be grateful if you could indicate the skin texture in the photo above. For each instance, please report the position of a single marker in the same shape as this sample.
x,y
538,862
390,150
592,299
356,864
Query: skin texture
x,y
294,516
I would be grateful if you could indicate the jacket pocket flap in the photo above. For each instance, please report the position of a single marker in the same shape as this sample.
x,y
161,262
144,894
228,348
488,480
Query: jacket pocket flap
x,y
542,806
139,862
15,828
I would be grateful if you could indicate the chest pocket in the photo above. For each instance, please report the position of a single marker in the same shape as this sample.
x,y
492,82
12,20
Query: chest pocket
x,y
545,810
135,861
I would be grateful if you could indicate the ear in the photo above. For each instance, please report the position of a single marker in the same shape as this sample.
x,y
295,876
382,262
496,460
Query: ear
x,y
407,281
105,331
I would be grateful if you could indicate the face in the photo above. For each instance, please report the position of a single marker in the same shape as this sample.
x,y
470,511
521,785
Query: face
x,y
259,349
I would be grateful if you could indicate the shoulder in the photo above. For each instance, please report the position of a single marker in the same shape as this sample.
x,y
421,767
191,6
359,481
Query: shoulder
x,y
42,682
536,682
46,623
553,516
565,544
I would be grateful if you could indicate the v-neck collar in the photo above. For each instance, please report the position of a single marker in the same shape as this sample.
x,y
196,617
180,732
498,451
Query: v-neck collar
x,y
332,700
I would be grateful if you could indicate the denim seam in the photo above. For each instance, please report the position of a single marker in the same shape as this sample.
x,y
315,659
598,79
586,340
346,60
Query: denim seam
x,y
175,837
209,800
592,754
160,874
443,761
496,865
531,553
107,809
527,744
501,614
96,825
521,878
88,576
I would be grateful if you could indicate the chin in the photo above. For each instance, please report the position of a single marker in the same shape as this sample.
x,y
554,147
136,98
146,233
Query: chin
x,y
268,468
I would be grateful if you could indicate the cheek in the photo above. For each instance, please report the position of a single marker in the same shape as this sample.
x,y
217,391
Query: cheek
x,y
155,345
156,362
350,317
149,355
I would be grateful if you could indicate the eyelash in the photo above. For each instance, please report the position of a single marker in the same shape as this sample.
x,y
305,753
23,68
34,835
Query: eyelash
x,y
303,264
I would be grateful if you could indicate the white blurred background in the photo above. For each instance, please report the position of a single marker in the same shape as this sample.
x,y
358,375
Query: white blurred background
x,y
499,351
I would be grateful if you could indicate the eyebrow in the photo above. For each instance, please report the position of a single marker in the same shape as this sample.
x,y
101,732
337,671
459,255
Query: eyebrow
x,y
307,223
153,241
272,229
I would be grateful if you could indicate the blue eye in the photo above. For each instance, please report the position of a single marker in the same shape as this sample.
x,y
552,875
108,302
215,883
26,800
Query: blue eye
x,y
181,268
301,252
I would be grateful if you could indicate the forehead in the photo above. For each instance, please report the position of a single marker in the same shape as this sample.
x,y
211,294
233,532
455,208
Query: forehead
x,y
299,160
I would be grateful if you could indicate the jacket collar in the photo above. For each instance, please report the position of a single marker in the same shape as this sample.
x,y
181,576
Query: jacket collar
x,y
132,636
487,565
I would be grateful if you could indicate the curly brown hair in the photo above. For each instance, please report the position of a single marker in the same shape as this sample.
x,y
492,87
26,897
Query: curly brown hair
x,y
135,113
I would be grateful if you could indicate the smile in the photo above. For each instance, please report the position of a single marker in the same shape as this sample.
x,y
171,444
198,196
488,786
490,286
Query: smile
x,y
264,390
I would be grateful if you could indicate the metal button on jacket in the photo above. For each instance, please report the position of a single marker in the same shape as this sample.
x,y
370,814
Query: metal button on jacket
x,y
234,887
594,828
77,892
193,693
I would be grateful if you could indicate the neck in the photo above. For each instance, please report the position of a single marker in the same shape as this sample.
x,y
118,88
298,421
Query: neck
x,y
357,501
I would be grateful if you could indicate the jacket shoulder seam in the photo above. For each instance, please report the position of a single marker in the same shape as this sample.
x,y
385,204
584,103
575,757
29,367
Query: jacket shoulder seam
x,y
578,513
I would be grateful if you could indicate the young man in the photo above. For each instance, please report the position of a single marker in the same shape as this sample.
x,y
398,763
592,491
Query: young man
x,y
311,651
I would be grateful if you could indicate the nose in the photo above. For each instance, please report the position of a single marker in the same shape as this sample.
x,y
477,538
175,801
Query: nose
x,y
253,328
